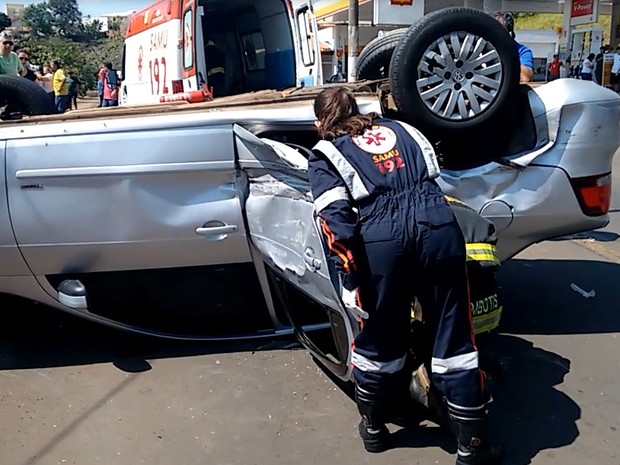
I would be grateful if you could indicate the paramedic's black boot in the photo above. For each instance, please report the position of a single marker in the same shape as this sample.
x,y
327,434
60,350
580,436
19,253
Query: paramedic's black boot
x,y
372,407
469,426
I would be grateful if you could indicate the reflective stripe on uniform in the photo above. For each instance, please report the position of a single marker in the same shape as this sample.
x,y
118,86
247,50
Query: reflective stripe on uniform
x,y
329,197
348,174
216,71
458,363
451,199
428,152
482,252
488,321
365,364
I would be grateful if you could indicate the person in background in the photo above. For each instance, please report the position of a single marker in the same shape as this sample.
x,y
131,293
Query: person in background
x,y
73,83
45,77
588,67
29,68
216,68
565,70
109,76
599,65
61,90
615,70
9,61
526,56
99,76
554,68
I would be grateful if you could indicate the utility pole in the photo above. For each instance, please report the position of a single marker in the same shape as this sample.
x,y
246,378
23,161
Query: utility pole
x,y
354,17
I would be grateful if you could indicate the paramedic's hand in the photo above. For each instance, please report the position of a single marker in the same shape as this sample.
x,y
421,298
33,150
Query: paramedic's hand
x,y
349,299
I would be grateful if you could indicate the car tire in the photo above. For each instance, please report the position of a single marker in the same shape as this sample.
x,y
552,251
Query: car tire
x,y
439,91
374,60
20,95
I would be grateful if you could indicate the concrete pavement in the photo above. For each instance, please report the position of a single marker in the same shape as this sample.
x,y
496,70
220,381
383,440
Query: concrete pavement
x,y
74,393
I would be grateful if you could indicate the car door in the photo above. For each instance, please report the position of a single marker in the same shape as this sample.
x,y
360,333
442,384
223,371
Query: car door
x,y
139,208
309,67
282,227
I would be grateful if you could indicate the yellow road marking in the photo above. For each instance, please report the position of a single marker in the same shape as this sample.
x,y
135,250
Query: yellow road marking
x,y
599,249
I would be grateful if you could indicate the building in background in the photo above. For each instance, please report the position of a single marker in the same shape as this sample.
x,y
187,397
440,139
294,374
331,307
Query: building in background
x,y
15,11
106,20
544,44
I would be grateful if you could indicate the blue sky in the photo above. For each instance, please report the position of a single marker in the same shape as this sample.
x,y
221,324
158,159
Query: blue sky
x,y
97,7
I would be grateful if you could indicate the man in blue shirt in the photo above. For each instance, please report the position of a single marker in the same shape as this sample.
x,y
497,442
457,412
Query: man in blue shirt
x,y
525,53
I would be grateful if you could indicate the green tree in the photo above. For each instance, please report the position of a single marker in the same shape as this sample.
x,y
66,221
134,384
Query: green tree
x,y
115,27
67,16
5,21
91,32
39,18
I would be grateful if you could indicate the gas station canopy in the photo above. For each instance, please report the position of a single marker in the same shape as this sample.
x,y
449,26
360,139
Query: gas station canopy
x,y
399,13
326,8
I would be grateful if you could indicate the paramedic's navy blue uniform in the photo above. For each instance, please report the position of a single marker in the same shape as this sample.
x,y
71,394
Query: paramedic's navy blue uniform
x,y
392,234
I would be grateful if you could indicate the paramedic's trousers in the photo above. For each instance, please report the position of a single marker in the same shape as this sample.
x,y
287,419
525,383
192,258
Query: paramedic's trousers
x,y
415,248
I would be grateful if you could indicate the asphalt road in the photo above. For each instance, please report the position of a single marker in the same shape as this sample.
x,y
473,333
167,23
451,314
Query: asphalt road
x,y
73,393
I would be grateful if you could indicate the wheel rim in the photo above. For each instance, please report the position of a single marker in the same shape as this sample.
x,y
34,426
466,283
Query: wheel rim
x,y
459,76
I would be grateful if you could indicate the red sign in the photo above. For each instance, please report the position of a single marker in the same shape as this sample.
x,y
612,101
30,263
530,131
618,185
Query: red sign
x,y
401,2
582,8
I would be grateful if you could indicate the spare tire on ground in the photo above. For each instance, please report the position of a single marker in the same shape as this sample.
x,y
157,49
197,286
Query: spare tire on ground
x,y
22,96
456,69
374,60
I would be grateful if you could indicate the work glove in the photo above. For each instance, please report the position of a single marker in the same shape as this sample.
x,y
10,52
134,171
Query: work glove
x,y
349,299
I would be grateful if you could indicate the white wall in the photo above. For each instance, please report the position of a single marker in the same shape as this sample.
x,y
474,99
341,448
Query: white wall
x,y
542,43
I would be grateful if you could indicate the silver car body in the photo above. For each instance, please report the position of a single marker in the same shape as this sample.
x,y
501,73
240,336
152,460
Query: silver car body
x,y
178,186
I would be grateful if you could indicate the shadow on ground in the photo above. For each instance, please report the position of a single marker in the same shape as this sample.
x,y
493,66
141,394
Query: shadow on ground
x,y
531,414
37,336
538,298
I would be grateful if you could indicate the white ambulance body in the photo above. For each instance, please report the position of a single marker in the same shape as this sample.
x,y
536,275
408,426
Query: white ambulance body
x,y
268,44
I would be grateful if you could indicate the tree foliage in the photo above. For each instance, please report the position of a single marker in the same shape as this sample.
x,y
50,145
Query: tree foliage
x,y
5,21
55,17
91,32
67,17
40,19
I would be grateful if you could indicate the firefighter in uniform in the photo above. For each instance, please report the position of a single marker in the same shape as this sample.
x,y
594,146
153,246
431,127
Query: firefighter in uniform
x,y
482,266
216,68
392,236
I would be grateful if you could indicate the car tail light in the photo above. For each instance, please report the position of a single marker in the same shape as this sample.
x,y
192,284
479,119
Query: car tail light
x,y
593,193
177,87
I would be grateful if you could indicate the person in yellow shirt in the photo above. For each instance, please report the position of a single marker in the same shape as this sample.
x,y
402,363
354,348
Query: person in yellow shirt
x,y
61,89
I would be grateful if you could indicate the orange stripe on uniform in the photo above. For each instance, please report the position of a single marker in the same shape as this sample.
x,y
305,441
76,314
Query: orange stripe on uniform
x,y
340,250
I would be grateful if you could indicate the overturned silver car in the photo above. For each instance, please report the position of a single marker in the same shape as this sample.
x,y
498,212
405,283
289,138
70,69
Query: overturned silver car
x,y
159,219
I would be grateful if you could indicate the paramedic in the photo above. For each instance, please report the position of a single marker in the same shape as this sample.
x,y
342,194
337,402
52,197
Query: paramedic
x,y
388,225
216,68
525,53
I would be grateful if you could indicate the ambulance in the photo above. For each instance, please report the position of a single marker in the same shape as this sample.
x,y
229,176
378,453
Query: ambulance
x,y
267,44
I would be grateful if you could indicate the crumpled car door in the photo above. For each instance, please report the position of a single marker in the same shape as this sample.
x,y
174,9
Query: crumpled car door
x,y
283,229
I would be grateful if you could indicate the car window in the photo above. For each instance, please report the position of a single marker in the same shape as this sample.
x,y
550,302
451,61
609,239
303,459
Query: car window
x,y
254,51
188,42
306,35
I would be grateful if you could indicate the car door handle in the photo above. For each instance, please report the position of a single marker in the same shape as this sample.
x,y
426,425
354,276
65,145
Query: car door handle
x,y
312,262
217,230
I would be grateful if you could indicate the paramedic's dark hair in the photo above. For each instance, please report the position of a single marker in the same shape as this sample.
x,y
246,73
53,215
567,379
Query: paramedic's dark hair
x,y
506,19
108,65
337,111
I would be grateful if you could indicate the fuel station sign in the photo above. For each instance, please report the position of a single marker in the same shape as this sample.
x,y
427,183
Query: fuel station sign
x,y
397,12
583,12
